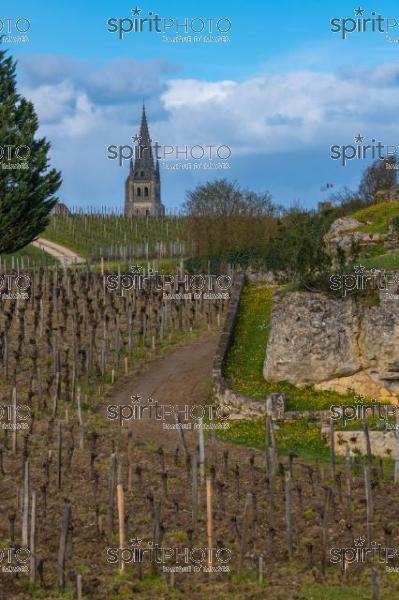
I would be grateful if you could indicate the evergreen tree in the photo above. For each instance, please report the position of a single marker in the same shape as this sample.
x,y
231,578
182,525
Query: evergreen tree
x,y
26,194
298,247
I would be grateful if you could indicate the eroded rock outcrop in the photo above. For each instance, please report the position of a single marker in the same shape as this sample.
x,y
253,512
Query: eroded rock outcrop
x,y
344,231
335,343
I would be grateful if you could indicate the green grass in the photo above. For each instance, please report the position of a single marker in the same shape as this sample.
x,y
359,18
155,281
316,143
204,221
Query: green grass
x,y
126,585
244,365
374,424
30,255
378,215
344,592
302,436
92,236
385,261
372,251
375,220
121,587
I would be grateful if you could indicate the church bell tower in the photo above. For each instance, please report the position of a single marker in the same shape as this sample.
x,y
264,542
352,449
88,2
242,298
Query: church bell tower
x,y
143,184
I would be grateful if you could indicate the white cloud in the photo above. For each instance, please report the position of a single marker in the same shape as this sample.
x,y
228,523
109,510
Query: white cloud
x,y
268,113
53,102
300,111
275,113
190,92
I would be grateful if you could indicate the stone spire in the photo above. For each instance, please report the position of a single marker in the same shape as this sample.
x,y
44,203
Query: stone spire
x,y
144,161
143,183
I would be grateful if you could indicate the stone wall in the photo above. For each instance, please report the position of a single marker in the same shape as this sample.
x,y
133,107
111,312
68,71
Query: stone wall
x,y
238,405
335,343
383,443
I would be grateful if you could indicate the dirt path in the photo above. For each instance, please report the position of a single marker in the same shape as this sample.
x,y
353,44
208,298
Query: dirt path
x,y
63,254
180,378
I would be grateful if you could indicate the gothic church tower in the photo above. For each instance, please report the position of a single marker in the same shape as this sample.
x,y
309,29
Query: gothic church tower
x,y
143,184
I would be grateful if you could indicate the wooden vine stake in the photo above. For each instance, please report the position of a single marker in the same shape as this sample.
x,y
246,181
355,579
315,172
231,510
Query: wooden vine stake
x,y
288,511
62,549
25,511
121,516
244,530
375,584
80,419
111,491
32,575
368,444
348,476
209,520
79,587
181,434
14,420
201,450
369,503
326,509
59,456
194,475
260,569
332,447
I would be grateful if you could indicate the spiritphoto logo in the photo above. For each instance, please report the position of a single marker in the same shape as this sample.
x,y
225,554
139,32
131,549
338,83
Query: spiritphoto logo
x,y
14,157
363,23
363,151
15,559
14,29
174,287
175,157
362,410
171,559
362,554
363,279
186,29
15,286
186,416
14,416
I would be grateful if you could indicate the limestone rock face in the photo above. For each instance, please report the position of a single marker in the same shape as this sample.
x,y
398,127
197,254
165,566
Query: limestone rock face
x,y
335,343
344,224
383,443
343,231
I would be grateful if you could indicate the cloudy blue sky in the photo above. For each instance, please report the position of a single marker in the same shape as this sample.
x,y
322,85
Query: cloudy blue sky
x,y
280,92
